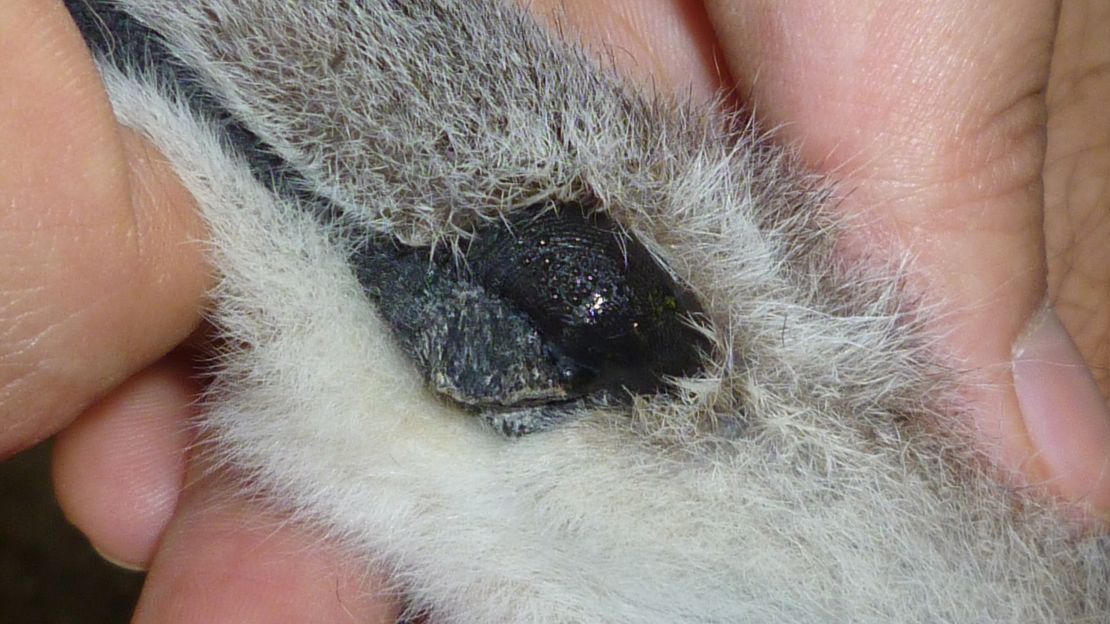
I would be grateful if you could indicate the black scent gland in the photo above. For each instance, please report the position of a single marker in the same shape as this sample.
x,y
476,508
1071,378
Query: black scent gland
x,y
607,311
547,310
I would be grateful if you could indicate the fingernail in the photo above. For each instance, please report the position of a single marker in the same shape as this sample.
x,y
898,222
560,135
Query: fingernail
x,y
1064,412
133,567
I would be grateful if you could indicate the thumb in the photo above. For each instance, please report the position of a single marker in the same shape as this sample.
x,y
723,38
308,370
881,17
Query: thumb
x,y
100,273
934,112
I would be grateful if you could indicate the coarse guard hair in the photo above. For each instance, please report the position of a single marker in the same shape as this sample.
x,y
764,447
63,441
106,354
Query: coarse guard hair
x,y
798,473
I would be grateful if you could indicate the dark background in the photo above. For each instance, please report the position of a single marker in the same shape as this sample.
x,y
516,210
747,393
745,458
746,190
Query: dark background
x,y
48,572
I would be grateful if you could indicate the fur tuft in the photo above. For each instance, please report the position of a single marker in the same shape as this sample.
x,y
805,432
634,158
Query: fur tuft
x,y
799,479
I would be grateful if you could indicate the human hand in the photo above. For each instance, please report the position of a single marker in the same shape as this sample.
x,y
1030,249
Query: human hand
x,y
934,117
103,274
910,143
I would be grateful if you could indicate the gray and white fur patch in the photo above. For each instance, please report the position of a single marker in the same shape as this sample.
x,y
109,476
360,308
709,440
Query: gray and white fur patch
x,y
795,478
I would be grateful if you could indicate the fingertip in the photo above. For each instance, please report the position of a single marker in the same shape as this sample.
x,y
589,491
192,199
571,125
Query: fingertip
x,y
170,250
103,273
1064,412
226,560
666,44
118,470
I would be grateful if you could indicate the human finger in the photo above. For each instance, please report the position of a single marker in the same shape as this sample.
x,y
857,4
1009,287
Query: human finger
x,y
119,469
224,559
667,45
102,270
932,115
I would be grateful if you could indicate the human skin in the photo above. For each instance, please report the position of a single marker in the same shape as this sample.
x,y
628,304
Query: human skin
x,y
972,135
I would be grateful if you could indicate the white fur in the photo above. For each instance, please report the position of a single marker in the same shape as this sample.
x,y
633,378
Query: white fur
x,y
827,495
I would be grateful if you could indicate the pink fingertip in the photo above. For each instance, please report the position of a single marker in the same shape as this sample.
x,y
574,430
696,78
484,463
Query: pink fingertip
x,y
118,470
1064,412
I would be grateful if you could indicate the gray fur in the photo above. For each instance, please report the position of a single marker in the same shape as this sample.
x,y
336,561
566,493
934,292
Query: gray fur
x,y
801,478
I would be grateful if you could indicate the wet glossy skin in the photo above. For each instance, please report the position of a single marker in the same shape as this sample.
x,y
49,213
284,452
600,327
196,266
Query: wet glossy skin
x,y
594,293
543,310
